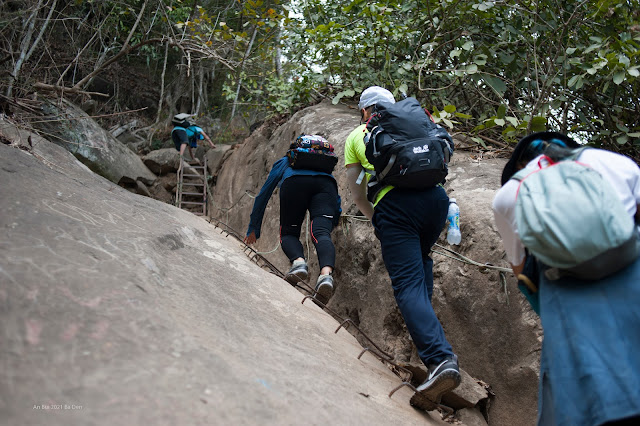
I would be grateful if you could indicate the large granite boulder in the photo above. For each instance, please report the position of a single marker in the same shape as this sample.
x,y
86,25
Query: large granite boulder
x,y
70,127
488,322
120,309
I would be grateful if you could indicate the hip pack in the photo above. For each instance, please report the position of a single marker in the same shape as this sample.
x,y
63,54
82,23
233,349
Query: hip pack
x,y
571,219
312,152
406,148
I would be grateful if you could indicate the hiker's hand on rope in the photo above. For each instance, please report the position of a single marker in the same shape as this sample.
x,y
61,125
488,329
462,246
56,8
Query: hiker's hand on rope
x,y
250,239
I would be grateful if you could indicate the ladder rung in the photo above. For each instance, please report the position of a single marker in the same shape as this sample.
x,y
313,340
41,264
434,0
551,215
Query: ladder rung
x,y
191,202
192,175
192,193
192,184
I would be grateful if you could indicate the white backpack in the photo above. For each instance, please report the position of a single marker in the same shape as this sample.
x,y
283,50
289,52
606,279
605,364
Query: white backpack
x,y
571,219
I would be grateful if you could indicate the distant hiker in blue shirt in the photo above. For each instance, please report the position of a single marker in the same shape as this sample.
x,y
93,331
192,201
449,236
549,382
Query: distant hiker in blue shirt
x,y
303,189
186,134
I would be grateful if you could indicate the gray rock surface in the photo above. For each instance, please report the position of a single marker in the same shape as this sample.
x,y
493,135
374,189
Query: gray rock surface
x,y
120,309
162,161
489,324
70,127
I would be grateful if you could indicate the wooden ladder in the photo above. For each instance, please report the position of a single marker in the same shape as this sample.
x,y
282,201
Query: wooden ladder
x,y
196,175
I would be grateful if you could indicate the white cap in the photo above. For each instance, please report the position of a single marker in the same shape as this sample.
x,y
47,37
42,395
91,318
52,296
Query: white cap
x,y
452,200
373,95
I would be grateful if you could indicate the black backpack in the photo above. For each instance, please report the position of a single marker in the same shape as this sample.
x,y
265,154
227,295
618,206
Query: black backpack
x,y
406,148
312,152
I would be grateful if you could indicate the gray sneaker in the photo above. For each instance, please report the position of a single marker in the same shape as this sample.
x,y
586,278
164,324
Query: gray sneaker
x,y
324,288
443,377
298,272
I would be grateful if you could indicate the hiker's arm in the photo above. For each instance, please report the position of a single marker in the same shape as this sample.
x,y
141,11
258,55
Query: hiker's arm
x,y
250,239
206,137
359,192
504,217
517,269
260,203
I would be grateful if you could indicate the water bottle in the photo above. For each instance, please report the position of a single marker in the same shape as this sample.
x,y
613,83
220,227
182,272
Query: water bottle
x,y
453,216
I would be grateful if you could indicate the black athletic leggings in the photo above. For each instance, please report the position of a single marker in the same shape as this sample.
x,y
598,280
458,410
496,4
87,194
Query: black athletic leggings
x,y
319,195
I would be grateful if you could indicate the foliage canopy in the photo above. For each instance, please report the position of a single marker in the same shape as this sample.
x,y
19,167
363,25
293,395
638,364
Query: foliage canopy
x,y
492,69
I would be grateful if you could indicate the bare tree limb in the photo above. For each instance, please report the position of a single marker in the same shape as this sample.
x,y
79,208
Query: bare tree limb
x,y
61,89
24,45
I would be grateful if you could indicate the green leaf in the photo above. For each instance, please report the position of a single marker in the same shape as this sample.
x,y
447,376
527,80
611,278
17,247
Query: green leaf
x,y
573,80
618,77
455,52
505,58
480,60
499,122
624,60
592,48
509,131
450,109
461,115
633,71
472,69
502,110
570,50
448,123
468,45
622,127
538,124
622,139
337,98
496,84
512,120
480,141
634,135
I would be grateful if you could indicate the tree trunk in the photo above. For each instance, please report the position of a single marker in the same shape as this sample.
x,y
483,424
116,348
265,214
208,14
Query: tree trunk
x,y
246,54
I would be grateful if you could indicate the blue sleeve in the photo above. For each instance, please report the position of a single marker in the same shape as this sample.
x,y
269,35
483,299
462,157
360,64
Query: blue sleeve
x,y
336,218
260,203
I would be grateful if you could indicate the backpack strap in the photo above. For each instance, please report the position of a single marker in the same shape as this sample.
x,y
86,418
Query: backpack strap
x,y
520,175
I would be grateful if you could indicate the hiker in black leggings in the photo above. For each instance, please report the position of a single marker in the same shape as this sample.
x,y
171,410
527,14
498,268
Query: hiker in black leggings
x,y
318,194
301,190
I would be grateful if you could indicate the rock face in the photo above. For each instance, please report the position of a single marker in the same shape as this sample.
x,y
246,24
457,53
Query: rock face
x,y
73,129
488,322
120,309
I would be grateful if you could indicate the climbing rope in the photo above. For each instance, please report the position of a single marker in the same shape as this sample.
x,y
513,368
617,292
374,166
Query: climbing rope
x,y
456,256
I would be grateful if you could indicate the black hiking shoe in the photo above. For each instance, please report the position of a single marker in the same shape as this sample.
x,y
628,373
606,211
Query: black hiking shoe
x,y
298,272
443,378
324,288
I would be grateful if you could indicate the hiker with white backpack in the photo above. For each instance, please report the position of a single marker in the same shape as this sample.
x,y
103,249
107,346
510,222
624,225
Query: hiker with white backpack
x,y
568,218
396,163
306,184
185,134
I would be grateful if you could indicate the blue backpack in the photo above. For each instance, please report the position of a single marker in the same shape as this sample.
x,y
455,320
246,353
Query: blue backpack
x,y
571,219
